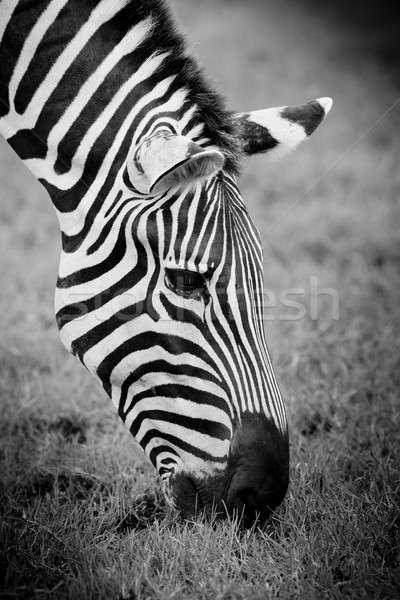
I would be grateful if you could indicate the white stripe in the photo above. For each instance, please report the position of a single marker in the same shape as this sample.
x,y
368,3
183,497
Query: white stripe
x,y
129,42
102,13
31,44
206,443
7,8
175,209
190,463
177,406
190,220
128,330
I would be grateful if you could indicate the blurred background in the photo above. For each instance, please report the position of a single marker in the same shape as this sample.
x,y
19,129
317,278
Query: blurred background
x,y
329,219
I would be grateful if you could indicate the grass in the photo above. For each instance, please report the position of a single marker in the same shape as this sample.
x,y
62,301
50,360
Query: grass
x,y
81,515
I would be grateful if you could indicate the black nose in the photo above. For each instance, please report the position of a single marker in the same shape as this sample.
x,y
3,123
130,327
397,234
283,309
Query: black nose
x,y
259,465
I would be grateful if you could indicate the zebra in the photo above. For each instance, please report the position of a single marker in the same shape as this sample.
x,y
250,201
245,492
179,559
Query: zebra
x,y
159,291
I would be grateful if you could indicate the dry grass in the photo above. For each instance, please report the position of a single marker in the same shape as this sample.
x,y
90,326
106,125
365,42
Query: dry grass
x,y
80,513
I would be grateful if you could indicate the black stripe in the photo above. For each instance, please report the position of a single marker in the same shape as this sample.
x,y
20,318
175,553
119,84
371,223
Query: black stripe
x,y
162,366
78,309
184,392
149,339
157,450
113,204
90,273
202,426
82,344
53,43
182,315
206,456
106,229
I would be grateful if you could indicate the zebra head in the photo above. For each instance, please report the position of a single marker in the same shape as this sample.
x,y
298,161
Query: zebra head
x,y
160,283
191,374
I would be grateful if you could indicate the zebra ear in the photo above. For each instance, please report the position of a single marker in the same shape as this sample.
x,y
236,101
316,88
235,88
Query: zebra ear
x,y
279,130
164,160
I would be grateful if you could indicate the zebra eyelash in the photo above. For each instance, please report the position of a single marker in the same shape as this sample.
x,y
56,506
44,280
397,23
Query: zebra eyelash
x,y
186,283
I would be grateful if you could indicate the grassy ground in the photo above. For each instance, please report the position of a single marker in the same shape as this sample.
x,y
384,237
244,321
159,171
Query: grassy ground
x,y
73,521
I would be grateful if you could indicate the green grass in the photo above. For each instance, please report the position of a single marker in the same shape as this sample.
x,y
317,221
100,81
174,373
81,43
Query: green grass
x,y
81,515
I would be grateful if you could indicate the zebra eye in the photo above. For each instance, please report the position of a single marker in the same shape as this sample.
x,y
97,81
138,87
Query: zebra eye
x,y
185,283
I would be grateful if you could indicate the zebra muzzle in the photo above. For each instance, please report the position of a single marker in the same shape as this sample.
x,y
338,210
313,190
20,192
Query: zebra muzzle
x,y
253,483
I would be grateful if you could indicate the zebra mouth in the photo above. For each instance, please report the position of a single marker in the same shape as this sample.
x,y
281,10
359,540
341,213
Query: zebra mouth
x,y
188,497
195,497
200,505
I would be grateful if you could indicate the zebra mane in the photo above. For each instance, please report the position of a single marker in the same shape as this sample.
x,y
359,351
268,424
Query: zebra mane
x,y
219,127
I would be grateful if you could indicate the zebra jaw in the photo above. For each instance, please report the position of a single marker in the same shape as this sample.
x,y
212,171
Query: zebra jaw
x,y
165,160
